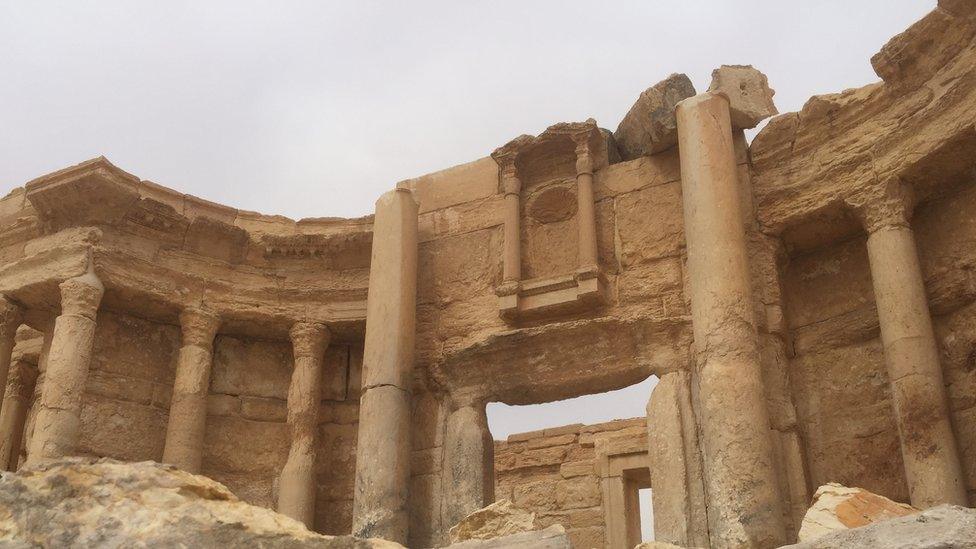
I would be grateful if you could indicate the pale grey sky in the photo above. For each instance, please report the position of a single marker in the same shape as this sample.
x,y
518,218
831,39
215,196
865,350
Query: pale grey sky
x,y
313,108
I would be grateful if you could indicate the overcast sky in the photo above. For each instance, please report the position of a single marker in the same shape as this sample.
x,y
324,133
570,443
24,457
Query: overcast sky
x,y
314,108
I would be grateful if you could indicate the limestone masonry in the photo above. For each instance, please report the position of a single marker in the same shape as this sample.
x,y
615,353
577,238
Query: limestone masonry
x,y
807,301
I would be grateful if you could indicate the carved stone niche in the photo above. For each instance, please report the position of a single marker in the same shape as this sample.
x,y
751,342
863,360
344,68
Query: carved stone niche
x,y
550,262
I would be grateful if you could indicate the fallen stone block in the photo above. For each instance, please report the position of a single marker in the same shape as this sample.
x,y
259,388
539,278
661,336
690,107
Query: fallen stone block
x,y
942,527
553,537
501,518
836,507
750,97
650,126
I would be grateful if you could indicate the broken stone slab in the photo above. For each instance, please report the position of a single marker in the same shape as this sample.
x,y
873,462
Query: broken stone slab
x,y
836,507
942,527
657,545
501,518
650,126
749,94
92,502
553,537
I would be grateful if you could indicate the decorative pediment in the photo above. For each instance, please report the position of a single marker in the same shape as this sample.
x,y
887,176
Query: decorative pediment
x,y
91,193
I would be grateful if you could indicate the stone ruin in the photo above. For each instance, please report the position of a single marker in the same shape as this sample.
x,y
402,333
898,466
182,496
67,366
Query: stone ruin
x,y
807,301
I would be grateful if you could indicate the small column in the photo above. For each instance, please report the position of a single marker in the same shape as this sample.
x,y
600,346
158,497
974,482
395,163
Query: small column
x,y
188,409
58,421
13,415
512,265
741,483
586,214
380,502
921,409
296,492
10,319
469,469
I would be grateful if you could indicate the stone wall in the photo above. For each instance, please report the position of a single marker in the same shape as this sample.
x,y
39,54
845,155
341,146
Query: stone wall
x,y
555,473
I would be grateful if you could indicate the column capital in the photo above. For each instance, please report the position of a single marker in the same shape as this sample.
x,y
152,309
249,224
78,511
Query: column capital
x,y
510,179
11,316
199,326
81,295
890,205
309,339
584,160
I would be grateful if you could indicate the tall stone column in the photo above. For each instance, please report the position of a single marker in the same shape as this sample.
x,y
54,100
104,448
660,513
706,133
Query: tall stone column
x,y
188,409
58,421
469,469
296,492
741,484
928,445
10,319
586,212
383,451
13,415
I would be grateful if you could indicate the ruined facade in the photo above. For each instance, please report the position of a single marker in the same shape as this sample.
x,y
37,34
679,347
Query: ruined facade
x,y
808,302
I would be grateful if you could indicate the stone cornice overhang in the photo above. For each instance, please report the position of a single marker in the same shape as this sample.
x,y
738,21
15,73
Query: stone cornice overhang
x,y
917,127
158,251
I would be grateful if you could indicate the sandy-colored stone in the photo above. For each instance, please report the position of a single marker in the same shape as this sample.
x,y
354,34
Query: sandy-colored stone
x,y
649,126
837,507
942,526
501,518
798,336
553,537
749,94
88,502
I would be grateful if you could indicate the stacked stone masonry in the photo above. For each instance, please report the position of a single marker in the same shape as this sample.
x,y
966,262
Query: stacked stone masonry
x,y
807,302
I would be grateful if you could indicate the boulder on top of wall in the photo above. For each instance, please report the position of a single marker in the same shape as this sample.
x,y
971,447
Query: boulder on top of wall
x,y
837,507
942,527
650,126
501,518
750,97
91,502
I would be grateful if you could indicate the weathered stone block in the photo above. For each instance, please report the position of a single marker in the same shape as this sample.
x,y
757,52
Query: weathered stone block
x,y
749,94
650,126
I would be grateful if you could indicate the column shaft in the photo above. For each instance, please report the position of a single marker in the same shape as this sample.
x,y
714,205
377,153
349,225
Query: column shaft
x,y
13,415
469,470
586,213
383,451
512,260
918,393
296,492
10,319
58,421
742,487
188,409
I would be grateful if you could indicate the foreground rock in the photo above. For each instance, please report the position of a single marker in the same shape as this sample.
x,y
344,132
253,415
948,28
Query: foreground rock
x,y
501,518
87,502
650,126
943,527
553,537
837,507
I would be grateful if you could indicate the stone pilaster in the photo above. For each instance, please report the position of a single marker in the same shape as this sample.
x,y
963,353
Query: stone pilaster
x,y
928,445
58,422
296,493
586,213
383,450
512,259
744,505
188,409
16,401
469,469
10,319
